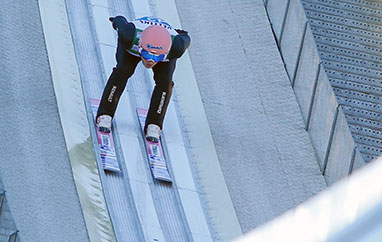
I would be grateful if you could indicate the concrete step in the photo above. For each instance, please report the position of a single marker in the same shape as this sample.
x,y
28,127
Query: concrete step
x,y
348,35
357,62
372,100
353,82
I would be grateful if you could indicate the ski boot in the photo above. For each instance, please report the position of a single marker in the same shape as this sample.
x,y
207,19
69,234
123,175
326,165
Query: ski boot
x,y
153,133
104,123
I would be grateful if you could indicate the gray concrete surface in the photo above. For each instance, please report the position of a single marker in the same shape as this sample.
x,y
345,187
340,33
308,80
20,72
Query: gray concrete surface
x,y
34,167
267,157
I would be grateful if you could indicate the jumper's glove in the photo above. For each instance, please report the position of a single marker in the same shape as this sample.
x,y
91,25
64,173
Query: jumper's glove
x,y
118,22
181,31
111,19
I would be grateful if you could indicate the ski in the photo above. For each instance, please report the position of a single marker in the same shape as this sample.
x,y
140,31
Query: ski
x,y
154,151
105,143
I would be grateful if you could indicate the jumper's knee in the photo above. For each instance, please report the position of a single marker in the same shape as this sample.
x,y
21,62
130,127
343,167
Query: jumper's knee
x,y
122,73
164,84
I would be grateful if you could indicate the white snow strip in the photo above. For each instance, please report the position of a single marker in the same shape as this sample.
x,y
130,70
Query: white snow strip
x,y
70,100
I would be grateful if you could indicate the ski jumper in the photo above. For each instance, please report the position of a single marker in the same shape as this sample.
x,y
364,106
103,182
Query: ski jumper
x,y
128,56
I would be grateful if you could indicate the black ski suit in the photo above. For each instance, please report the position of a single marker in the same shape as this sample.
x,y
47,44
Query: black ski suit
x,y
127,60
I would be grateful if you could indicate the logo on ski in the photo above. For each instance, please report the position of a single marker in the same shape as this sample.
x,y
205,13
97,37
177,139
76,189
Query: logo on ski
x,y
155,154
154,149
105,144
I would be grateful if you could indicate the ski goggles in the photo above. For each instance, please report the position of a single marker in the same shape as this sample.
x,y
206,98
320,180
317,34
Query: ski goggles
x,y
150,57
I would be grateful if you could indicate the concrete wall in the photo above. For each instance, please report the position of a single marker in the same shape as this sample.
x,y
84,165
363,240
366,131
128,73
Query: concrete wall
x,y
323,116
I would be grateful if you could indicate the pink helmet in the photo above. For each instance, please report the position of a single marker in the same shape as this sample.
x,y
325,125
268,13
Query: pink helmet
x,y
156,39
